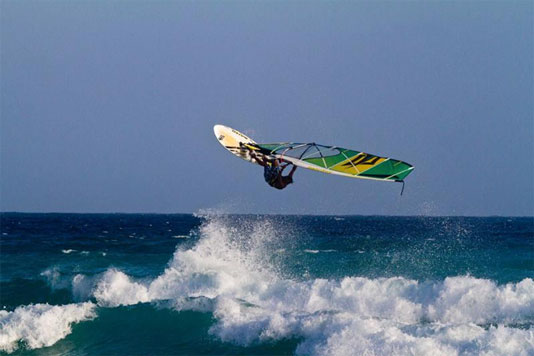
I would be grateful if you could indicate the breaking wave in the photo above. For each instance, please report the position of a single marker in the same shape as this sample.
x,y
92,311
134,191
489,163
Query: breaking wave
x,y
40,325
231,271
227,273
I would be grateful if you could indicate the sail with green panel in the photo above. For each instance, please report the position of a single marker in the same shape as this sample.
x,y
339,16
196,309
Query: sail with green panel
x,y
337,160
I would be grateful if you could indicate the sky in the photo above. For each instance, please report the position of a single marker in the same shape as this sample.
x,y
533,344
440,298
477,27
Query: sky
x,y
110,106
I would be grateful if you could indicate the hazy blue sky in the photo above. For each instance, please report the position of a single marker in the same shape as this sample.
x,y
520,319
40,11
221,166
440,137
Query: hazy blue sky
x,y
109,106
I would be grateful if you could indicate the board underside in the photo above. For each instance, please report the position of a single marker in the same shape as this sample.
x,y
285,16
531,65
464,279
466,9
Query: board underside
x,y
235,142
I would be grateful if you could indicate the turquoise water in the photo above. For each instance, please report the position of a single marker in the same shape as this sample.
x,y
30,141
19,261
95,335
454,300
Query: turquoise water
x,y
247,284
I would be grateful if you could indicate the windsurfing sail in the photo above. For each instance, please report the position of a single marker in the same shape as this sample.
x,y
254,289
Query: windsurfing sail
x,y
336,160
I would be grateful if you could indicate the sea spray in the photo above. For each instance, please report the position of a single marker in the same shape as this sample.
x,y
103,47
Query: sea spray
x,y
226,260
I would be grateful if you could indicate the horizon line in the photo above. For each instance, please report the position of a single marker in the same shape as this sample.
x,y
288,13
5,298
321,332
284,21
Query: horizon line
x,y
264,214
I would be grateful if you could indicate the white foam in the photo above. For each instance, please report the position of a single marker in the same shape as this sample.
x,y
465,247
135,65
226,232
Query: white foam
x,y
67,251
228,272
465,300
40,325
115,288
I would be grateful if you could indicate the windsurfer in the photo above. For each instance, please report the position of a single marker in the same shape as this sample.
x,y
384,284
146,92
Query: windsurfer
x,y
272,171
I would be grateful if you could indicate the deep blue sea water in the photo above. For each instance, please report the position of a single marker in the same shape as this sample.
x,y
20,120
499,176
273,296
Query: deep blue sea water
x,y
137,284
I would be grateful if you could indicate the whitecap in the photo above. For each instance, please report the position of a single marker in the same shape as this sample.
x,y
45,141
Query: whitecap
x,y
228,272
116,288
40,325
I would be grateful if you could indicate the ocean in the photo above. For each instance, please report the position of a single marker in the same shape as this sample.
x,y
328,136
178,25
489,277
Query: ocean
x,y
216,284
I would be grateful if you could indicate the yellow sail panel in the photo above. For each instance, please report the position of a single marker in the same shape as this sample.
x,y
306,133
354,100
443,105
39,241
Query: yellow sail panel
x,y
358,163
346,166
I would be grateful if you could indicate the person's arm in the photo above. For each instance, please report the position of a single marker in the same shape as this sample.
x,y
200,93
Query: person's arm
x,y
259,159
283,166
292,171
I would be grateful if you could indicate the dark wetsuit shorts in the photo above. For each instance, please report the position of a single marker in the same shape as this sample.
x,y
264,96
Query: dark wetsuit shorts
x,y
271,173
